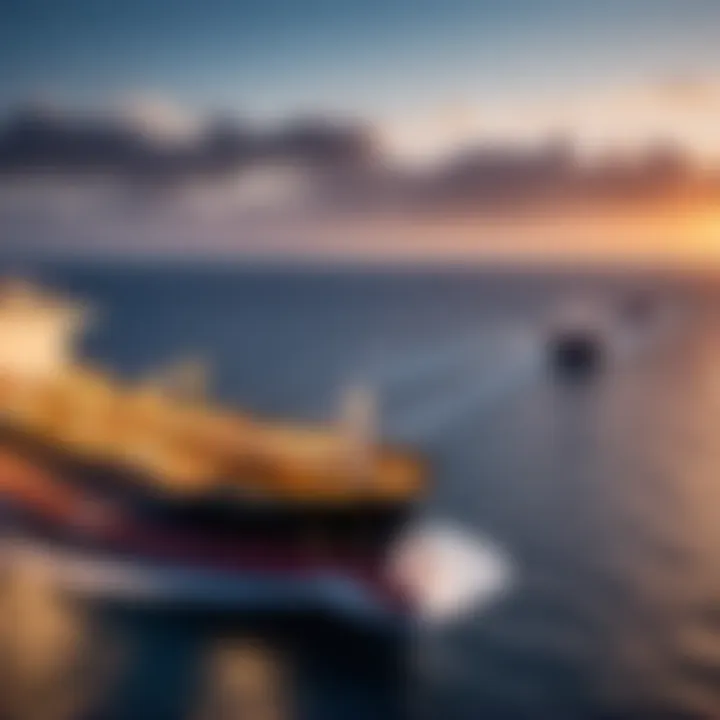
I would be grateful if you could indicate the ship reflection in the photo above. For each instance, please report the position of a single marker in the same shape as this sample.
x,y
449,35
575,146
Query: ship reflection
x,y
57,662
244,679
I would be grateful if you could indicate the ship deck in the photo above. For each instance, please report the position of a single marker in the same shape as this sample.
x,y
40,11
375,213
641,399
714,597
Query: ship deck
x,y
190,448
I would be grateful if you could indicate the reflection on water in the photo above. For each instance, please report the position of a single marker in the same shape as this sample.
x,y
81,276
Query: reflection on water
x,y
608,496
57,663
244,679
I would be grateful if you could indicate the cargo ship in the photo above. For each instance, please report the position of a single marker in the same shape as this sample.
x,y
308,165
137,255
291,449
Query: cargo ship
x,y
149,489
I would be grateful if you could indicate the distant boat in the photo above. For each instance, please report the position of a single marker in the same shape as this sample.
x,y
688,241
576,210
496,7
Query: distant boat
x,y
576,353
639,309
578,342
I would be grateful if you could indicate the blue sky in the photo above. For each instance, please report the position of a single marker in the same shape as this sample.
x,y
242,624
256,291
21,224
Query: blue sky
x,y
367,58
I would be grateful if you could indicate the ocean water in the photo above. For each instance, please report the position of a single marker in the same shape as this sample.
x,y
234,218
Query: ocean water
x,y
605,494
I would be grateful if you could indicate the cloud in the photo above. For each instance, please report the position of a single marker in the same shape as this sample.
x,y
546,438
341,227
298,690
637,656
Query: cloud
x,y
687,93
423,138
145,176
628,114
158,119
136,143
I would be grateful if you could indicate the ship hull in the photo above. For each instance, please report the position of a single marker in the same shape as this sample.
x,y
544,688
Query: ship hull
x,y
215,550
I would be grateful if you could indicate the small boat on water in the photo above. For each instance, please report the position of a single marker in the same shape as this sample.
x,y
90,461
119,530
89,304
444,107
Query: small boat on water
x,y
189,500
579,343
576,353
639,309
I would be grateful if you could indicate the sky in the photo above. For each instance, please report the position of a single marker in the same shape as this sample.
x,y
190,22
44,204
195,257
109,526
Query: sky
x,y
389,61
428,75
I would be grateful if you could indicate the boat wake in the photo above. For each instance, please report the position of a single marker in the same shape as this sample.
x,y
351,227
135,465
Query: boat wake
x,y
448,573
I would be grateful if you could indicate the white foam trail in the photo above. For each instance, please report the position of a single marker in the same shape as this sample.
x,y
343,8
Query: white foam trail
x,y
72,570
482,395
448,573
430,362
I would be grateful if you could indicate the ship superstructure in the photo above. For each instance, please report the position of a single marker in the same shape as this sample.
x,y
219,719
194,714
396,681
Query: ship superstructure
x,y
178,441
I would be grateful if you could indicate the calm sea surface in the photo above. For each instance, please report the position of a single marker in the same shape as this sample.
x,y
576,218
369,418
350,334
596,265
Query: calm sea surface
x,y
606,495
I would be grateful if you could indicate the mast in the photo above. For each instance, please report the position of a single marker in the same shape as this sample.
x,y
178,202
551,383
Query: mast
x,y
358,427
187,379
